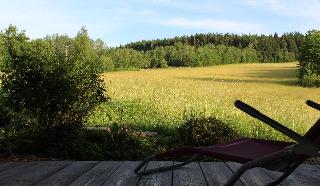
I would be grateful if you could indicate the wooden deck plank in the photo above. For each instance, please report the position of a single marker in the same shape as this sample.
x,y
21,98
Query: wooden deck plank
x,y
293,179
98,174
31,172
17,170
190,174
303,175
4,166
310,172
217,173
68,174
121,173
158,179
253,176
124,176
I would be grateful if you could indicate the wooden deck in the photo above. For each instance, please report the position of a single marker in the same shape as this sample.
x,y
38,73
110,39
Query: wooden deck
x,y
121,173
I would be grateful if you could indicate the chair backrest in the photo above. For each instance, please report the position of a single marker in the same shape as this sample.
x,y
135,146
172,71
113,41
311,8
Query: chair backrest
x,y
313,134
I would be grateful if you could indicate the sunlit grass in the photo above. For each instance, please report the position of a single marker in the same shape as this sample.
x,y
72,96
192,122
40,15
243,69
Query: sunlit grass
x,y
160,98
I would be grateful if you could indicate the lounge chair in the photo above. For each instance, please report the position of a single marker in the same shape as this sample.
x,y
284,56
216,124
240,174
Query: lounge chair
x,y
273,155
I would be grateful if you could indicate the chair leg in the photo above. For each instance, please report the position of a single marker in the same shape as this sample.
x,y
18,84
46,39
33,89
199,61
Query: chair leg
x,y
160,169
238,173
256,163
284,175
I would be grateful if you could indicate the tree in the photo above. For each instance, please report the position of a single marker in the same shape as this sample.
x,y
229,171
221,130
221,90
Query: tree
x,y
309,59
181,55
158,58
127,58
270,48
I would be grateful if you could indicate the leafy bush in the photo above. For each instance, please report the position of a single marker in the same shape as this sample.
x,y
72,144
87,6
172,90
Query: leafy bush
x,y
115,143
107,64
205,131
309,59
311,80
55,88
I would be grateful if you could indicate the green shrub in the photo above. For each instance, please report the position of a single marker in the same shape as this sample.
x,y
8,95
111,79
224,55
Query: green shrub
x,y
54,89
115,143
311,80
107,64
205,131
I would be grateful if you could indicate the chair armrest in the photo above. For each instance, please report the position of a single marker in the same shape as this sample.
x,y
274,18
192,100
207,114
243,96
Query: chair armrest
x,y
313,104
312,150
272,123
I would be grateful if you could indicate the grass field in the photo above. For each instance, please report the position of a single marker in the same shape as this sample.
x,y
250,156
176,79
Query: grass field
x,y
160,99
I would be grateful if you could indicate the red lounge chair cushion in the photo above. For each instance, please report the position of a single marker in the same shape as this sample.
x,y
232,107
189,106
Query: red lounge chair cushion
x,y
241,151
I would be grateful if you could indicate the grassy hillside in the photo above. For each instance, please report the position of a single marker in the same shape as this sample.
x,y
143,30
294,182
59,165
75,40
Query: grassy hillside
x,y
160,99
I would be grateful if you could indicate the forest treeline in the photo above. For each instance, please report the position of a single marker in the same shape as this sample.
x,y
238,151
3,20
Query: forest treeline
x,y
204,50
178,55
269,48
187,51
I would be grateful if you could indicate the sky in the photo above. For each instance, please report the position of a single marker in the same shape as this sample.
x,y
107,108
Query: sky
x,y
123,21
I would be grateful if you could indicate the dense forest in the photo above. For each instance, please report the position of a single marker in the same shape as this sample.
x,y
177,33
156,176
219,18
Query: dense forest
x,y
201,50
269,48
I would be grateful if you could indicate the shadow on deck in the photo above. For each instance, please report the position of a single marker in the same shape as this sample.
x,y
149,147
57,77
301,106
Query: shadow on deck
x,y
121,173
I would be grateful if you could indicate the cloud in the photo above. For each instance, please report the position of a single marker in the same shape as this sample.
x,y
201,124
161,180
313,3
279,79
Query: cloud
x,y
124,12
149,12
292,8
250,2
214,25
161,1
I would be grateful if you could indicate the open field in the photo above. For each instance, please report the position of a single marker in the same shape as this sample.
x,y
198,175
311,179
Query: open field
x,y
160,98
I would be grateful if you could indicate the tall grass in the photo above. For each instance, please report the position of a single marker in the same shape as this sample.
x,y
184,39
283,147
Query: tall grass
x,y
160,99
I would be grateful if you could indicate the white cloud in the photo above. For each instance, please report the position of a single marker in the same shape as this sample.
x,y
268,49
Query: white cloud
x,y
292,8
161,1
148,12
215,25
306,9
250,2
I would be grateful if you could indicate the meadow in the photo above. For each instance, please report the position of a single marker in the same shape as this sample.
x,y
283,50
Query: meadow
x,y
161,99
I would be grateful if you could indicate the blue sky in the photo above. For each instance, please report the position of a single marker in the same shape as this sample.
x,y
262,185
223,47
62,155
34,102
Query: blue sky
x,y
122,21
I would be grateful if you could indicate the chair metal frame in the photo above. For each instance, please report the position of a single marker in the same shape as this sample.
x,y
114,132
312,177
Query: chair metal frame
x,y
287,156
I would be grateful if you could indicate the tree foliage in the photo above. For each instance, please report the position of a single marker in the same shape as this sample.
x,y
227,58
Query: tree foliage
x,y
56,87
269,48
204,50
128,59
158,58
309,58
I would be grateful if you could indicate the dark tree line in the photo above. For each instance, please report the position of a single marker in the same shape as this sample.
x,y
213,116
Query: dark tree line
x,y
269,48
177,55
